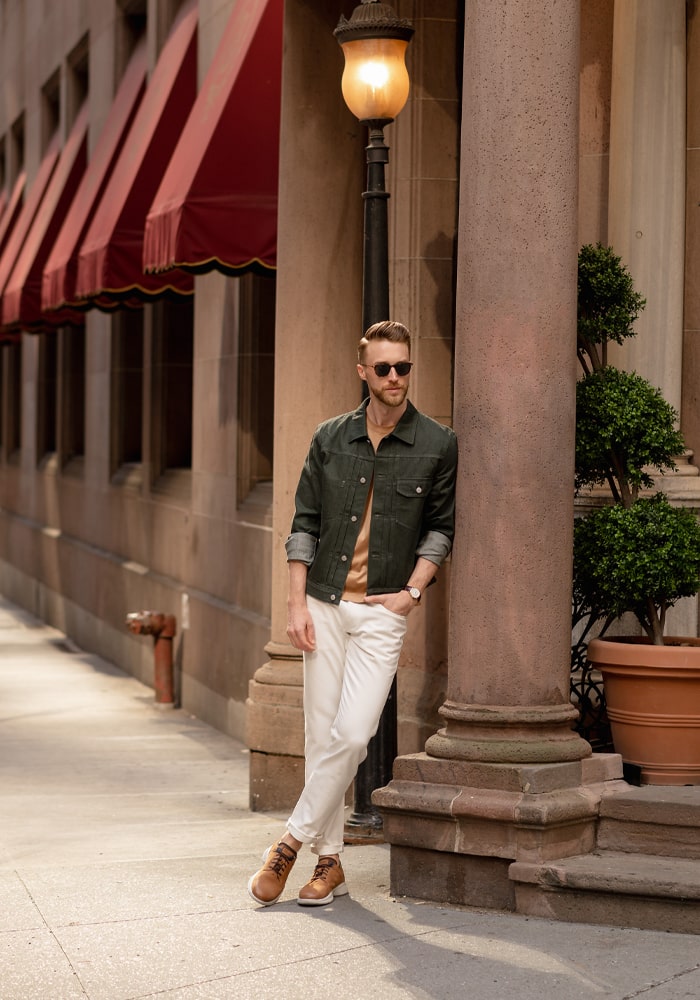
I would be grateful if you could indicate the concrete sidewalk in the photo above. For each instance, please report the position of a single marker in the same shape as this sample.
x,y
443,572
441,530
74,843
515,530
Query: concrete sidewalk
x,y
125,848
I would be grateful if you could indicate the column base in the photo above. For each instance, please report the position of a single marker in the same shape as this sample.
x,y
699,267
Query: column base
x,y
539,734
455,826
275,730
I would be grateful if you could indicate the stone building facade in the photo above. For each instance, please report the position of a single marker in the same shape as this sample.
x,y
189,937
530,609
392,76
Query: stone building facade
x,y
151,443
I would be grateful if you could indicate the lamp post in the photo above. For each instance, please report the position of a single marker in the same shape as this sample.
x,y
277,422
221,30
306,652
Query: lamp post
x,y
375,86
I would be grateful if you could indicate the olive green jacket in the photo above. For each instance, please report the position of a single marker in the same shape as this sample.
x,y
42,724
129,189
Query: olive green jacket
x,y
414,472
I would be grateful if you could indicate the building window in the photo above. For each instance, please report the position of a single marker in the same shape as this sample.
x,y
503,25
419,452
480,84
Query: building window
x,y
50,108
72,390
77,79
165,17
173,340
127,389
130,29
15,153
256,376
46,396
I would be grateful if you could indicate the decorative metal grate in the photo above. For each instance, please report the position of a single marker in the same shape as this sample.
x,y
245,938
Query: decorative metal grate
x,y
586,685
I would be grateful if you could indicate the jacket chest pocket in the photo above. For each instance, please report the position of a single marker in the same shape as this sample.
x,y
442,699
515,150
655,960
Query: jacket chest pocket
x,y
409,500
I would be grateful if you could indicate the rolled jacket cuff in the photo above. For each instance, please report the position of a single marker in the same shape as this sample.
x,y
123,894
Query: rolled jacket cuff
x,y
301,547
434,546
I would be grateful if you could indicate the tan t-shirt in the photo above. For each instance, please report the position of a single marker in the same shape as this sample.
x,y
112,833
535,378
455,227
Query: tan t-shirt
x,y
356,582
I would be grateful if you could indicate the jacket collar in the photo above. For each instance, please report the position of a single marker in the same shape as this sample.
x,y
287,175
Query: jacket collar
x,y
405,430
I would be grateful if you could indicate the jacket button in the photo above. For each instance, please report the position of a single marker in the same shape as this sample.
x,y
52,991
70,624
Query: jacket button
x,y
363,480
332,597
419,489
353,518
343,558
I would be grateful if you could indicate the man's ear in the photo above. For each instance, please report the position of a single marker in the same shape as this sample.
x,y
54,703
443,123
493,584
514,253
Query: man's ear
x,y
361,372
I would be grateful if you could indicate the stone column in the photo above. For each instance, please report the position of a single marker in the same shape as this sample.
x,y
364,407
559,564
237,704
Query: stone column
x,y
319,320
690,414
424,184
646,215
647,220
504,779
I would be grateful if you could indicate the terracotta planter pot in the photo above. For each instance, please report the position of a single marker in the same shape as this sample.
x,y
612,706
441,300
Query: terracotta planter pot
x,y
653,700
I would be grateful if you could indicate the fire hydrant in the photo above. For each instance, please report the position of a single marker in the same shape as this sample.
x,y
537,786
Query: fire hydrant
x,y
162,627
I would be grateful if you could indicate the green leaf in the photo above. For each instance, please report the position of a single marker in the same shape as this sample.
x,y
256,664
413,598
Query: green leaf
x,y
607,302
622,557
623,424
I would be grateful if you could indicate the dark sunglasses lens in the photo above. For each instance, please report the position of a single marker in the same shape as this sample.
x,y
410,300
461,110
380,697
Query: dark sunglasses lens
x,y
383,369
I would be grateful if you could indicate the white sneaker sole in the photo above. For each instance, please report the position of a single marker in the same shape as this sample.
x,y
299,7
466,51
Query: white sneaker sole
x,y
262,902
340,890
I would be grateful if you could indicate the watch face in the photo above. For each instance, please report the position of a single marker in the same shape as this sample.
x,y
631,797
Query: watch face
x,y
414,592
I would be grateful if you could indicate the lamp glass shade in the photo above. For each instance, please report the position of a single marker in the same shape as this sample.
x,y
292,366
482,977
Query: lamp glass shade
x,y
375,79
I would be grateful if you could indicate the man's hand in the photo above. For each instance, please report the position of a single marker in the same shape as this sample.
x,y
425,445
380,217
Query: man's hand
x,y
300,626
300,629
401,603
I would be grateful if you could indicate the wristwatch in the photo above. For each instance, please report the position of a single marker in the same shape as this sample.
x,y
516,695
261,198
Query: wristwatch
x,y
414,592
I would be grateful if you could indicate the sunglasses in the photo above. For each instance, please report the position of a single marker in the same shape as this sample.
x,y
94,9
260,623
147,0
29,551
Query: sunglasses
x,y
383,368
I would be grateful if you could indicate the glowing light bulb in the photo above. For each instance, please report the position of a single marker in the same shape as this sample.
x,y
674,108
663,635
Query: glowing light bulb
x,y
374,74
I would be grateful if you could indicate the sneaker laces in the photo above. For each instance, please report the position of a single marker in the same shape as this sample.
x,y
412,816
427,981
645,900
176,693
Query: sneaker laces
x,y
281,861
322,868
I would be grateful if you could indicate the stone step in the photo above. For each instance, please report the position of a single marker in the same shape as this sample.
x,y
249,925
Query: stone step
x,y
660,820
612,887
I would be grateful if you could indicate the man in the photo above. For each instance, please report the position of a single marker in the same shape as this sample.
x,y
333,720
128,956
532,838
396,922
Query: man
x,y
374,519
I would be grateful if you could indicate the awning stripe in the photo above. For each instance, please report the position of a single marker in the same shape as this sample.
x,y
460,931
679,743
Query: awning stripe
x,y
12,210
216,206
110,257
21,301
60,272
28,212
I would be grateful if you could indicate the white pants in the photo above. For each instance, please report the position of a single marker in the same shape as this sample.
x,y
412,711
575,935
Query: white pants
x,y
347,680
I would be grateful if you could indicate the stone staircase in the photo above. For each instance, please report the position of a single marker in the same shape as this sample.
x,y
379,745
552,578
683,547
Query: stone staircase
x,y
644,872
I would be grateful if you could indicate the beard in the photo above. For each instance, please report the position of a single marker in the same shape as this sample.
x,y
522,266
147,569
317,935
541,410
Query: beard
x,y
394,398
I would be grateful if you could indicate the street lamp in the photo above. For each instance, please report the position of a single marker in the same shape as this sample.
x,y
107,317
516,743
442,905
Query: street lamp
x,y
375,86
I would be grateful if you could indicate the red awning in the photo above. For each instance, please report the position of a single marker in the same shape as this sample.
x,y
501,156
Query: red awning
x,y
26,216
217,204
60,271
21,300
110,257
12,210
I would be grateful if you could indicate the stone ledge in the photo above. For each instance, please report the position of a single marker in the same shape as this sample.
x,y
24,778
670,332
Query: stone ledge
x,y
676,805
489,822
527,778
617,872
670,916
627,890
655,820
275,694
601,767
280,673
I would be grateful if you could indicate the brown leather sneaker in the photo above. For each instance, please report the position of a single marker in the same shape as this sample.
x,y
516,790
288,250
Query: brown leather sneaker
x,y
267,885
327,881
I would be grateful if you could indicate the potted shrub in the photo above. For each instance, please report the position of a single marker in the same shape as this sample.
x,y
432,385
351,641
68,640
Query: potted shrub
x,y
636,553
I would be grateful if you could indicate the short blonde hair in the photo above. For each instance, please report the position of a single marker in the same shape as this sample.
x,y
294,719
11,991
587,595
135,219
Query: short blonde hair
x,y
388,329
